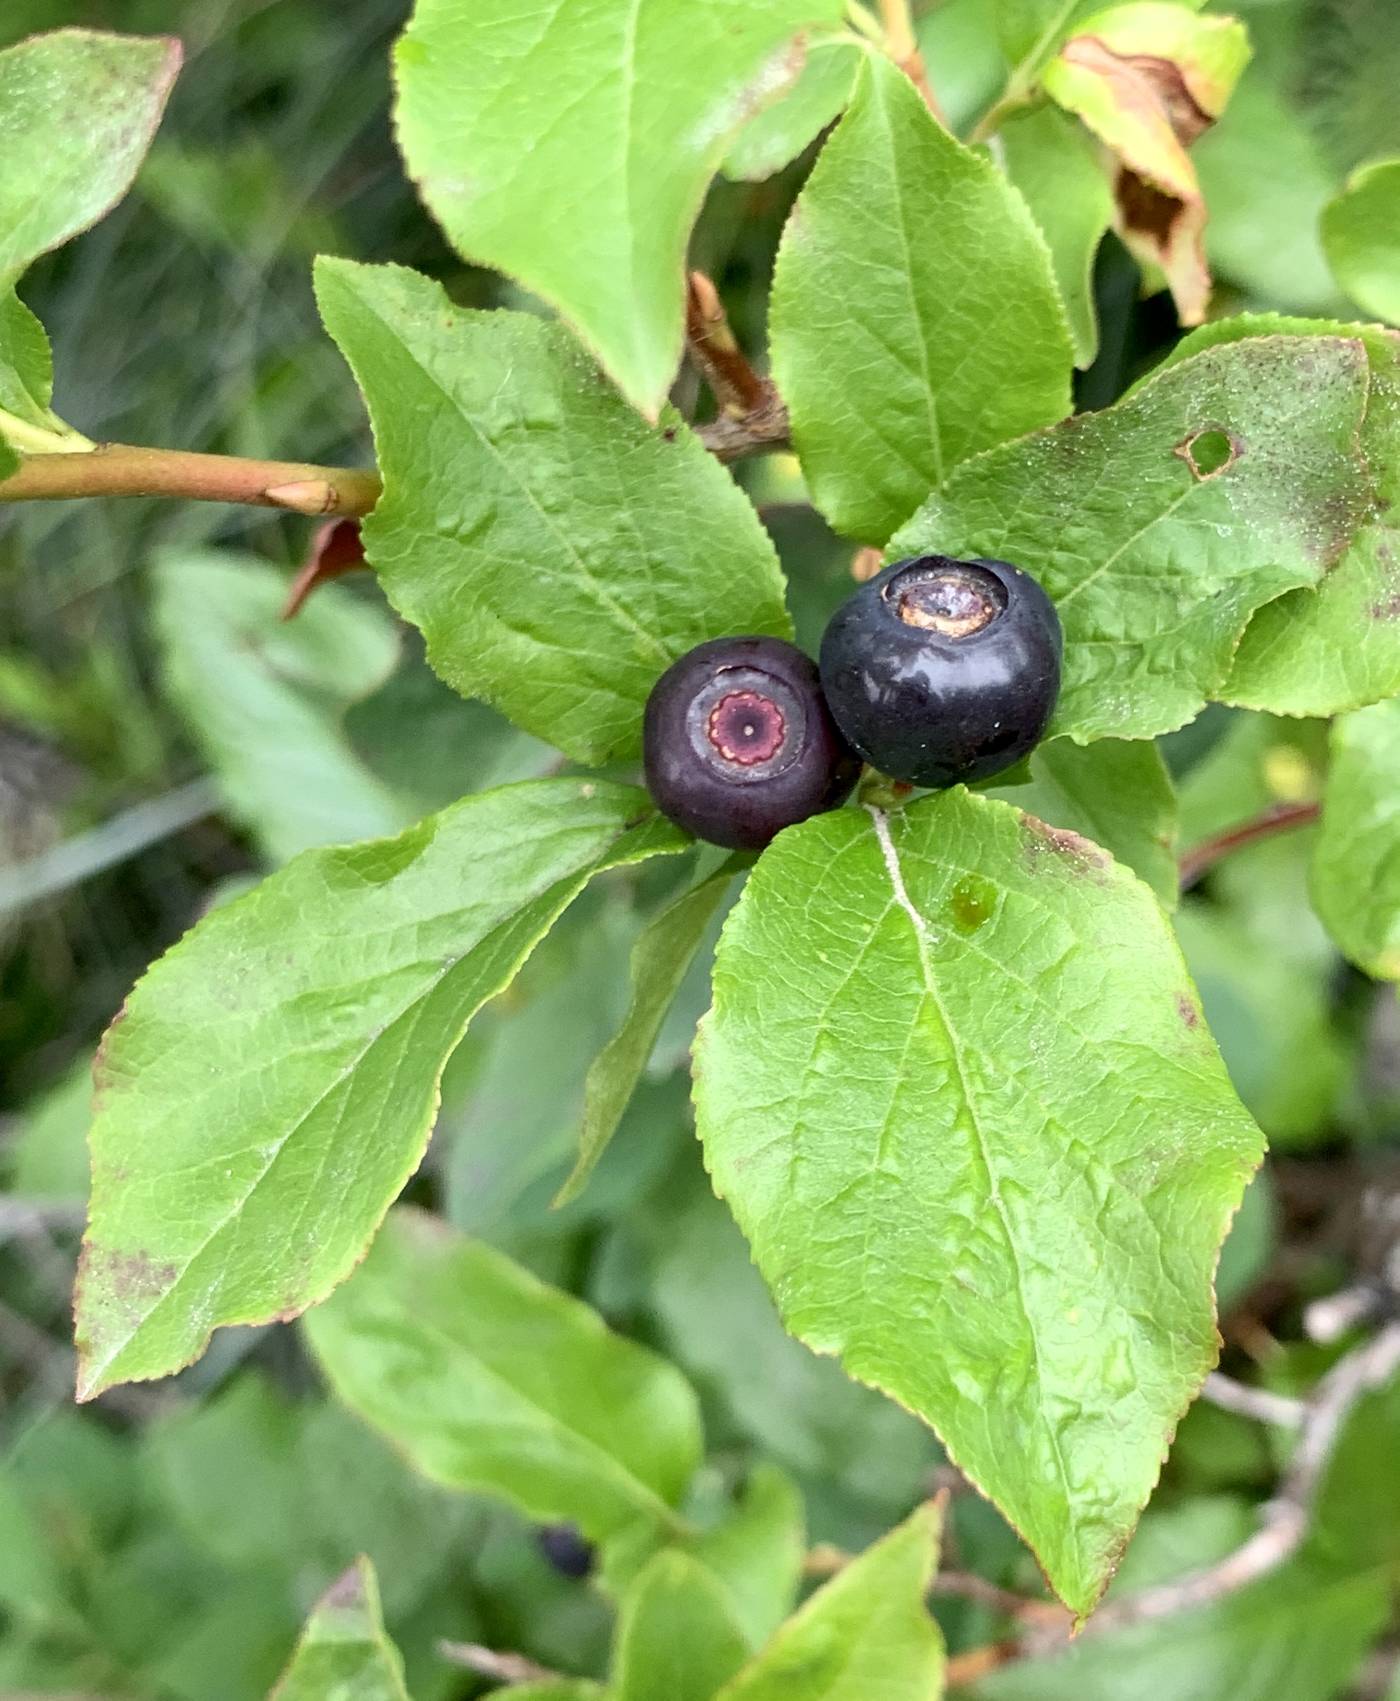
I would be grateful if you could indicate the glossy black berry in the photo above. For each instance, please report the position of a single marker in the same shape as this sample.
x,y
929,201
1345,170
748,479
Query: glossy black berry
x,y
738,743
565,1549
940,671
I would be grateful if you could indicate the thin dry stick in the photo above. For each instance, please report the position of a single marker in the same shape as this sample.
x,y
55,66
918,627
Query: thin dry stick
x,y
1281,818
1328,1319
824,1560
715,350
488,1662
1259,1403
1284,1527
756,434
1286,1517
967,1586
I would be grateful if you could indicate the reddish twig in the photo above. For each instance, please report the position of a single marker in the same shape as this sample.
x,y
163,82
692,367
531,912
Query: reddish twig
x,y
1281,818
715,350
121,469
902,45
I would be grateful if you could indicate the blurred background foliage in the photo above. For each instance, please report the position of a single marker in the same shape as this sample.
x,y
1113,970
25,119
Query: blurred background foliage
x,y
164,738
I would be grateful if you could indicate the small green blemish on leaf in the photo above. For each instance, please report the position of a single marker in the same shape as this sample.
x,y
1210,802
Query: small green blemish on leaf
x,y
971,902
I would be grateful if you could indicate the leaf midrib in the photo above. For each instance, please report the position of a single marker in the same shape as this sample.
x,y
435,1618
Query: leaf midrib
x,y
890,855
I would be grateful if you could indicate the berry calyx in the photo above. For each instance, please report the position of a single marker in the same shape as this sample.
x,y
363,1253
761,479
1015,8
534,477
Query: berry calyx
x,y
941,671
738,743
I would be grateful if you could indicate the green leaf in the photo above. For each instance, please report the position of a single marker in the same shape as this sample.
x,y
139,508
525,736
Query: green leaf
x,y
425,1343
231,1475
26,375
345,1653
718,1321
914,317
867,1632
47,1156
1252,1243
1323,651
775,136
280,1066
407,1527
554,1689
557,553
964,61
572,147
1300,1631
1361,236
1054,164
264,698
660,959
1265,171
1031,30
1156,567
1116,793
504,1148
957,1090
1356,866
1273,1022
757,1551
26,365
676,1634
78,110
33,1588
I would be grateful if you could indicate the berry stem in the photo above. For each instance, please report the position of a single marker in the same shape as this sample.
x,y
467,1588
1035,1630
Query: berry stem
x,y
1281,818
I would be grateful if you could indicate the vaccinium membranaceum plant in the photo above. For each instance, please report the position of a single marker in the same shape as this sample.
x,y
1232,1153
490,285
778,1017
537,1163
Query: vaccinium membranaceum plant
x,y
954,1081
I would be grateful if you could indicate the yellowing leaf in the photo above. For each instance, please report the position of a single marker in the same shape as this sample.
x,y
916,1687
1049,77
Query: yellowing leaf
x,y
1149,79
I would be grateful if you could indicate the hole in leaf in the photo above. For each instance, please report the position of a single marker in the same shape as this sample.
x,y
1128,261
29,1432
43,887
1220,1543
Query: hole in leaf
x,y
1209,452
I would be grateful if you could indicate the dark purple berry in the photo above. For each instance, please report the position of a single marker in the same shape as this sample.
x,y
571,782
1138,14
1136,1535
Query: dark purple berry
x,y
940,671
565,1549
738,742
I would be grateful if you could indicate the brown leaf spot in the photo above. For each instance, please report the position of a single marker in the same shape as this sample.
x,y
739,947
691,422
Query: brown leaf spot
x,y
1086,857
1188,1012
1160,210
133,1277
1209,452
